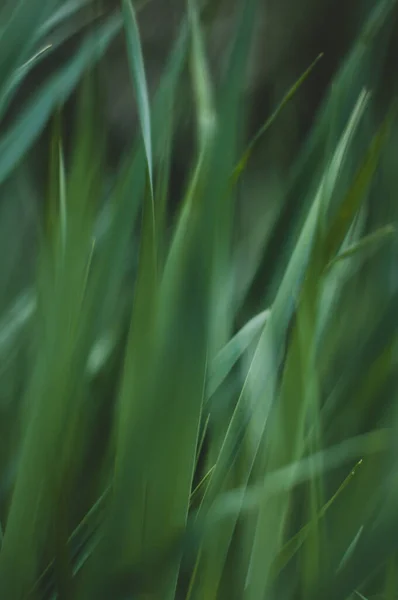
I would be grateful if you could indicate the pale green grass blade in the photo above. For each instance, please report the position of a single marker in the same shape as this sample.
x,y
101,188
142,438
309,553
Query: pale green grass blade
x,y
73,17
126,197
221,195
220,447
48,38
225,360
293,474
240,167
68,9
138,72
361,69
261,381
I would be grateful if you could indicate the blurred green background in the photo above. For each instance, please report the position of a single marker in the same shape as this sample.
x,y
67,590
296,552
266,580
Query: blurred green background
x,y
198,299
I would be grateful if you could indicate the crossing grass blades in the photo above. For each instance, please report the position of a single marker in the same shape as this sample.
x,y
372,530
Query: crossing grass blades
x,y
153,445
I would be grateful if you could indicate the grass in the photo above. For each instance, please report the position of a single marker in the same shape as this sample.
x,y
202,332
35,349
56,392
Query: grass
x,y
185,416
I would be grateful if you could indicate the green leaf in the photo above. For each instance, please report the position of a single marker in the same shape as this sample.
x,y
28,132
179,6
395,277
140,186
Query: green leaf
x,y
22,134
53,413
225,360
138,72
368,243
240,167
19,29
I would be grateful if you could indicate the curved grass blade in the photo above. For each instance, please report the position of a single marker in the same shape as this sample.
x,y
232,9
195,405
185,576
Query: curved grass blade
x,y
295,543
284,479
249,420
18,35
225,360
369,243
240,167
15,143
344,214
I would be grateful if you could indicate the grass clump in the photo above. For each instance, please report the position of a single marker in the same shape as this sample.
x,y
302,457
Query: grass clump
x,y
174,424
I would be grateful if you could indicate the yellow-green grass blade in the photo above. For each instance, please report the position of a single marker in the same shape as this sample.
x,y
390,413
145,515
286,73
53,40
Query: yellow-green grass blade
x,y
240,167
225,360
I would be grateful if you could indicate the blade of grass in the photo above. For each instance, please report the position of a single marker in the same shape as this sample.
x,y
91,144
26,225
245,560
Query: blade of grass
x,y
138,72
240,167
15,143
17,39
368,243
54,413
261,380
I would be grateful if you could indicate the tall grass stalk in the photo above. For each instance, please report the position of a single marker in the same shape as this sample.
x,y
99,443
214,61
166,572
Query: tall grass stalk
x,y
152,445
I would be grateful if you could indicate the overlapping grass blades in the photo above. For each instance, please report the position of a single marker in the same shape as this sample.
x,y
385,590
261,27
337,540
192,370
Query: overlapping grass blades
x,y
159,452
54,405
30,123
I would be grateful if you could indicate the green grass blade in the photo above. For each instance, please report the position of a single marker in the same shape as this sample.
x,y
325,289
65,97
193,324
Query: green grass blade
x,y
240,167
19,28
53,410
225,360
20,137
368,243
138,73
